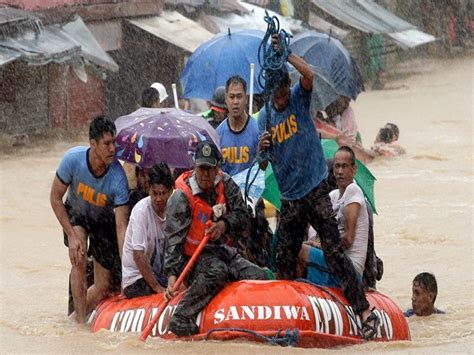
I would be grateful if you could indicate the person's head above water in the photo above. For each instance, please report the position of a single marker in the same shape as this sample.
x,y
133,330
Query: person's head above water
x,y
394,128
424,292
385,135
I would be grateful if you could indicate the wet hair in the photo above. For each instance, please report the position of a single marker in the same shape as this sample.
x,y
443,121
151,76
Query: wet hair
x,y
394,128
281,79
149,97
160,174
349,150
99,126
428,281
235,80
385,135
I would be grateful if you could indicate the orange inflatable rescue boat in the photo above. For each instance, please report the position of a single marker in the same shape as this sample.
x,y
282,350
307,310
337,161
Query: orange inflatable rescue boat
x,y
280,312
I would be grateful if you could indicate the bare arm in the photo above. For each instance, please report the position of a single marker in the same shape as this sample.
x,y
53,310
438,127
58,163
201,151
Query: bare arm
x,y
362,154
77,247
351,213
58,190
299,63
264,144
121,221
144,266
304,69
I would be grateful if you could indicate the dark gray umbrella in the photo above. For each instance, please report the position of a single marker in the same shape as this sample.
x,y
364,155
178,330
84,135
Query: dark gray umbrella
x,y
336,72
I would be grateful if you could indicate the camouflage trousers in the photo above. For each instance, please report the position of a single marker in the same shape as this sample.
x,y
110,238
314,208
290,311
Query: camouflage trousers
x,y
316,208
213,269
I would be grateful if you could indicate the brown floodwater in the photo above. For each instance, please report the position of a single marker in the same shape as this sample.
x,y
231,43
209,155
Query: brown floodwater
x,y
425,223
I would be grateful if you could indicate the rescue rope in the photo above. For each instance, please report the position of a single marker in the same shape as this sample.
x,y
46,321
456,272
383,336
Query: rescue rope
x,y
289,338
272,62
337,300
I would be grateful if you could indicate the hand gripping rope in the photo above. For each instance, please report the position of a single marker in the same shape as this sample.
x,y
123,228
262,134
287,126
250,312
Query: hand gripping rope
x,y
272,63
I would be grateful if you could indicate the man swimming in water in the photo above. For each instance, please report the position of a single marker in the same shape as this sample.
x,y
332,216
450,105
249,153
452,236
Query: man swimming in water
x,y
424,292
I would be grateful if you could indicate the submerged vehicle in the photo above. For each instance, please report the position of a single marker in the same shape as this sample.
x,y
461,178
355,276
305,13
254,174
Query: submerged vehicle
x,y
292,313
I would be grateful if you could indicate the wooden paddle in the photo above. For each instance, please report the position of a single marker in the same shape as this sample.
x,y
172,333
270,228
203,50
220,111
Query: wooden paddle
x,y
146,332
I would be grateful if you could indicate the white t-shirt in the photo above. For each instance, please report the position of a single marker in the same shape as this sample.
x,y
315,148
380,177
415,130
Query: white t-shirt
x,y
145,227
358,251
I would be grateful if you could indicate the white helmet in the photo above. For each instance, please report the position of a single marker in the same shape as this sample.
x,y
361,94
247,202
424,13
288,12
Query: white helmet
x,y
161,91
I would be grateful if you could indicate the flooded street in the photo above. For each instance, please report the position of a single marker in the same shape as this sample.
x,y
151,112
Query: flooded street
x,y
425,201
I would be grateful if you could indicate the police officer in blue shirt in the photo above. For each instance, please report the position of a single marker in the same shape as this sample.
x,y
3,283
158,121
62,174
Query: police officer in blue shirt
x,y
301,172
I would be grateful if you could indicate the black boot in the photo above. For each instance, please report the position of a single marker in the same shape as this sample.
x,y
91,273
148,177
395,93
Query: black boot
x,y
182,327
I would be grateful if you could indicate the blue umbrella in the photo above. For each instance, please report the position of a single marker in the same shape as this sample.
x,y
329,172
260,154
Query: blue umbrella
x,y
216,60
336,71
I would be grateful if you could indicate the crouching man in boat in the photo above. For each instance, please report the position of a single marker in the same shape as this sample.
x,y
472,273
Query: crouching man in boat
x,y
349,204
290,140
95,209
142,261
204,194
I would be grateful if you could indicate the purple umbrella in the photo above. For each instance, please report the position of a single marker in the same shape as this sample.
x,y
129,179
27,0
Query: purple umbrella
x,y
151,135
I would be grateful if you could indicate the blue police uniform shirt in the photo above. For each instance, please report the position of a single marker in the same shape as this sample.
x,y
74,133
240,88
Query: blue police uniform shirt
x,y
239,149
297,155
89,197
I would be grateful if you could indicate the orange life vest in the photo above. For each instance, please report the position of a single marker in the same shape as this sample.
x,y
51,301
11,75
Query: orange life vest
x,y
200,209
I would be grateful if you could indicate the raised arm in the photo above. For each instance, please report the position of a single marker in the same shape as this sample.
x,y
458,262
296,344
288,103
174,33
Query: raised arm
x,y
299,63
304,69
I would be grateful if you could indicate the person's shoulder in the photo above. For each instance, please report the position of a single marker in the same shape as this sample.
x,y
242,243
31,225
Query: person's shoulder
x,y
117,168
409,312
353,190
334,194
222,126
226,177
178,201
253,122
297,89
141,205
354,193
76,152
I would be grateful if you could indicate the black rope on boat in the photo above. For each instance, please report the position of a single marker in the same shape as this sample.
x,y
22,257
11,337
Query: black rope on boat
x,y
289,338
